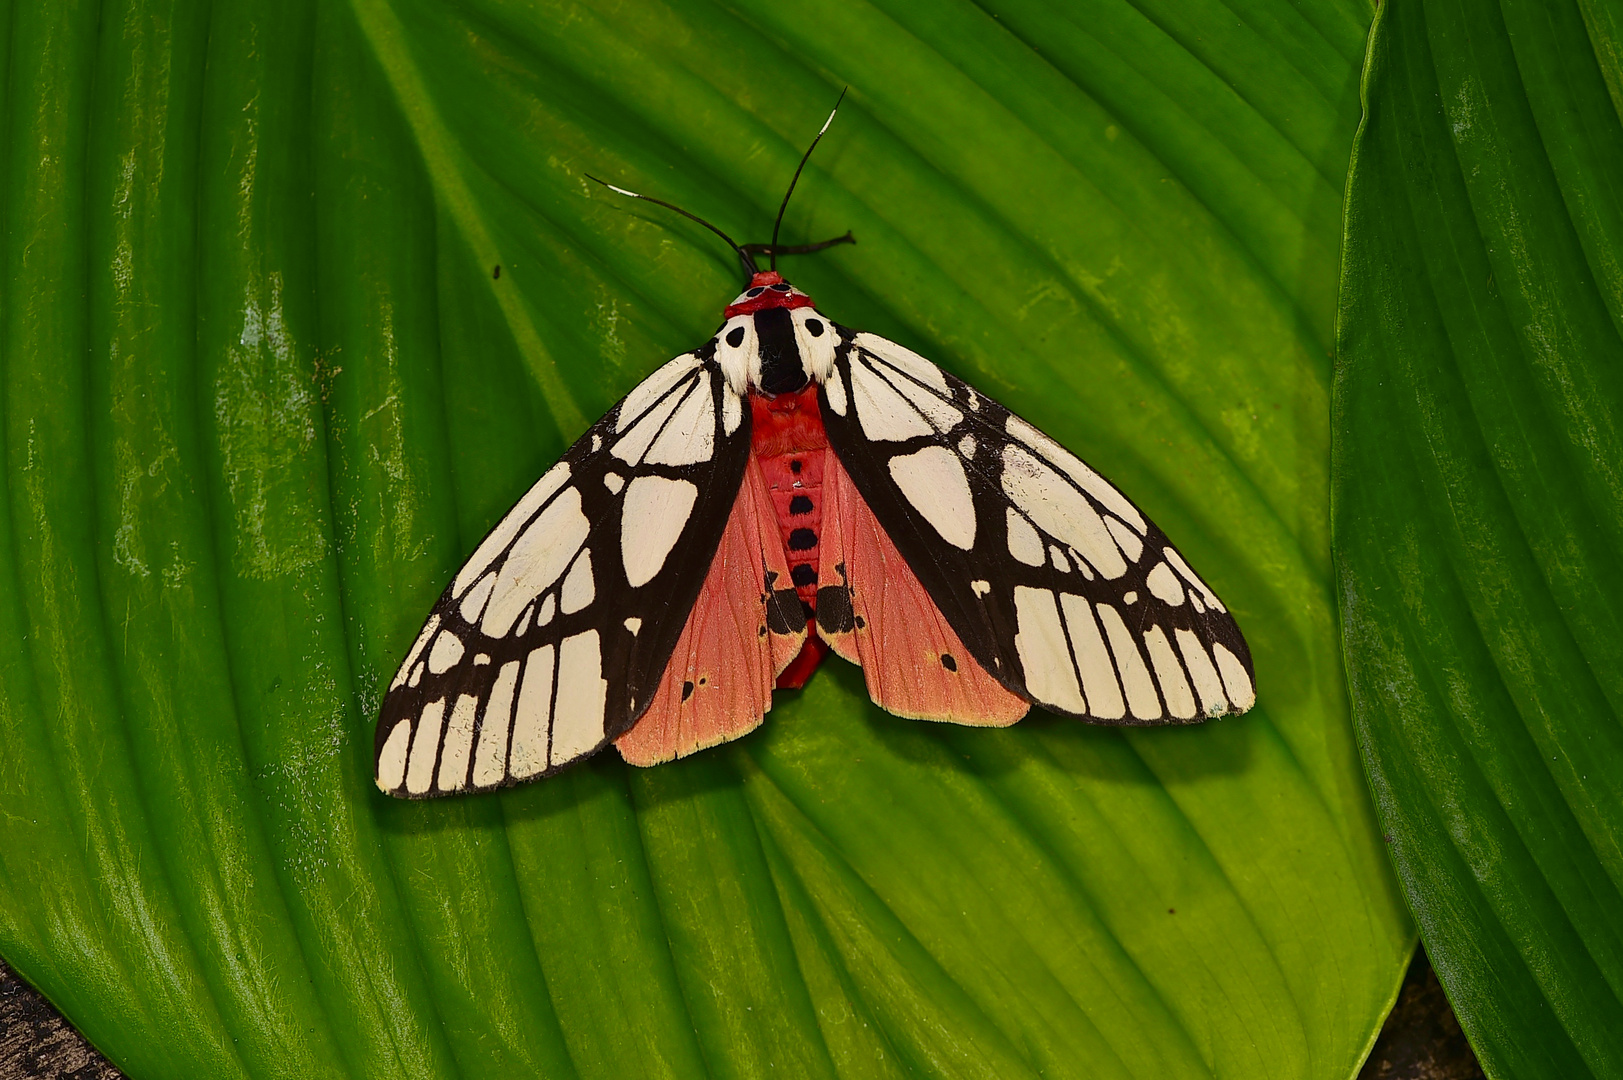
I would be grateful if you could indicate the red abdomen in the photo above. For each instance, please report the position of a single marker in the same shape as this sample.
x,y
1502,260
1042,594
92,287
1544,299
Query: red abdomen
x,y
787,438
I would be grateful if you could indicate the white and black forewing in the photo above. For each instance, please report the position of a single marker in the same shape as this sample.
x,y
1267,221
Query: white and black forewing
x,y
1058,585
552,638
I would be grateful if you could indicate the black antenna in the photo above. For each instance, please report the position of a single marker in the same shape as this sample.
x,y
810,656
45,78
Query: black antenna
x,y
743,255
773,264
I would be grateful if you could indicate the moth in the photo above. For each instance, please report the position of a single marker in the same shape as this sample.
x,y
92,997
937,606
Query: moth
x,y
793,487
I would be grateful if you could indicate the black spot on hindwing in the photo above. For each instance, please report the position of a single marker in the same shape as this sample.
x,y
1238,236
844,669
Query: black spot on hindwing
x,y
834,609
783,613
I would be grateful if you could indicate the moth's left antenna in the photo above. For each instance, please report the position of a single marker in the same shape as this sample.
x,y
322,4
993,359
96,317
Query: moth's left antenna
x,y
743,256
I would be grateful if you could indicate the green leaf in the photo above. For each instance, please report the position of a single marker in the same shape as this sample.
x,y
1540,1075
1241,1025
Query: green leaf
x,y
263,390
1479,508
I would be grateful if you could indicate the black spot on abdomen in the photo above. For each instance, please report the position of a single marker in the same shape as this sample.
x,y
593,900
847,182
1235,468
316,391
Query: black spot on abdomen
x,y
802,540
804,574
800,504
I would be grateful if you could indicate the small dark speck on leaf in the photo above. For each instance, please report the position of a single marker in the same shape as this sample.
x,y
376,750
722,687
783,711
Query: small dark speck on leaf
x,y
496,273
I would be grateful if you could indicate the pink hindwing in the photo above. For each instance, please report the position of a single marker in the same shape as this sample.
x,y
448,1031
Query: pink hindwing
x,y
875,613
739,636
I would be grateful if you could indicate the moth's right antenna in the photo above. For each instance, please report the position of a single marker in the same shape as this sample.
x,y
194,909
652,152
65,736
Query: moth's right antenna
x,y
773,264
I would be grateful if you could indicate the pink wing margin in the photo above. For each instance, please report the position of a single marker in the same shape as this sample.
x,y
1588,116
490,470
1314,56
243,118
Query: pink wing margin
x,y
914,663
718,683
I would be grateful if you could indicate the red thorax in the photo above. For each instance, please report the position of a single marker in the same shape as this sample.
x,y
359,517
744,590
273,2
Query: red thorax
x,y
768,297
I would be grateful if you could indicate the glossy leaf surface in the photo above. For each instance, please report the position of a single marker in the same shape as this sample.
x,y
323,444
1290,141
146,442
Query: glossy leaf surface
x,y
1479,508
264,388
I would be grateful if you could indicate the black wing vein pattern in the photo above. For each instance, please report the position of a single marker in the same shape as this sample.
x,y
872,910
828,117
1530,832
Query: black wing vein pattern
x,y
551,640
1060,587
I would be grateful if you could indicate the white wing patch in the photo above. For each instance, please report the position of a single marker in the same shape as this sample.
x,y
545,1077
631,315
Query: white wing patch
x,y
690,435
1094,484
447,651
1207,683
942,417
652,389
533,723
907,360
1236,683
458,743
537,559
1135,676
934,482
1189,575
1131,546
578,721
1068,666
425,747
490,763
1024,543
834,390
502,535
1059,510
423,639
578,589
885,414
1164,586
473,601
656,509
1169,674
392,761
1092,659
1044,653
